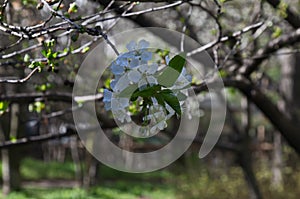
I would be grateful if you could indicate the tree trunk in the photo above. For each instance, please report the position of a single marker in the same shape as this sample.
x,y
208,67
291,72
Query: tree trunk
x,y
11,157
245,155
277,161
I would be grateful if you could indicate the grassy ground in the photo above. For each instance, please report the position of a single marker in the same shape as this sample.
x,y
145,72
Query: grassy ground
x,y
113,184
196,179
114,192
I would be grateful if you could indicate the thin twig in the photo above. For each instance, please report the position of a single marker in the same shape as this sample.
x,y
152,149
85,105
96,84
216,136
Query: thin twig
x,y
17,81
224,39
184,29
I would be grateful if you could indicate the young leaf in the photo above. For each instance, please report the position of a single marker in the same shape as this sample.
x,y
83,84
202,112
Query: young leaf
x,y
172,100
72,8
26,58
177,62
149,91
171,73
3,106
129,91
181,96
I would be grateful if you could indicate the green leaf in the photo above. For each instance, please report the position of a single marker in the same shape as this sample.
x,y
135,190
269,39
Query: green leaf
x,y
181,96
84,50
171,73
35,64
149,91
3,106
107,83
222,73
72,8
177,62
26,58
277,32
44,53
160,100
43,87
172,100
37,107
74,36
162,53
13,139
129,91
49,43
54,55
282,9
49,54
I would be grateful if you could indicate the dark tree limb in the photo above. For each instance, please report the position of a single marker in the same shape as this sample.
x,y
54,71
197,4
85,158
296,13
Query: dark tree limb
x,y
51,96
288,129
37,138
292,18
271,47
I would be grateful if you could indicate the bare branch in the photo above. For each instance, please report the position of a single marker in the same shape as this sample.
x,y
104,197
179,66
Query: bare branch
x,y
292,18
18,81
225,38
270,48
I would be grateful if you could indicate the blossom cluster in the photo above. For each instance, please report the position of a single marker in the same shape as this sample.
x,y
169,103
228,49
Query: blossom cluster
x,y
134,72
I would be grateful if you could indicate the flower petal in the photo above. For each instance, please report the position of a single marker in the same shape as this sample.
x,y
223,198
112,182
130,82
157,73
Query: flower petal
x,y
131,46
146,56
122,83
167,59
122,61
134,63
107,106
154,101
143,44
151,80
107,95
116,69
134,76
152,69
143,68
113,84
123,102
142,84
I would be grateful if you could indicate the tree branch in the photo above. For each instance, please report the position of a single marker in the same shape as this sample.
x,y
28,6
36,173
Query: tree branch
x,y
270,48
287,128
51,96
292,18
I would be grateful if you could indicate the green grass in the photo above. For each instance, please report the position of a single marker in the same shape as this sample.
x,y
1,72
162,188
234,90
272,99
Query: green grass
x,y
32,169
113,184
93,193
193,180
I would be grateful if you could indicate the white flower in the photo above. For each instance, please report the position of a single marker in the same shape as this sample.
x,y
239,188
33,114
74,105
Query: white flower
x,y
107,95
142,55
167,59
133,46
170,110
182,81
192,107
122,115
146,55
119,103
134,68
117,69
143,75
120,83
134,76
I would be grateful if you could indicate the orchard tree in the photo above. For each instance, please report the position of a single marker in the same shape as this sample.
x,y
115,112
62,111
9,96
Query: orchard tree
x,y
254,45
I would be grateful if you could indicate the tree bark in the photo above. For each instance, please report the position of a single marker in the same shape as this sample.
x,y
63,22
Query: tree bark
x,y
11,157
